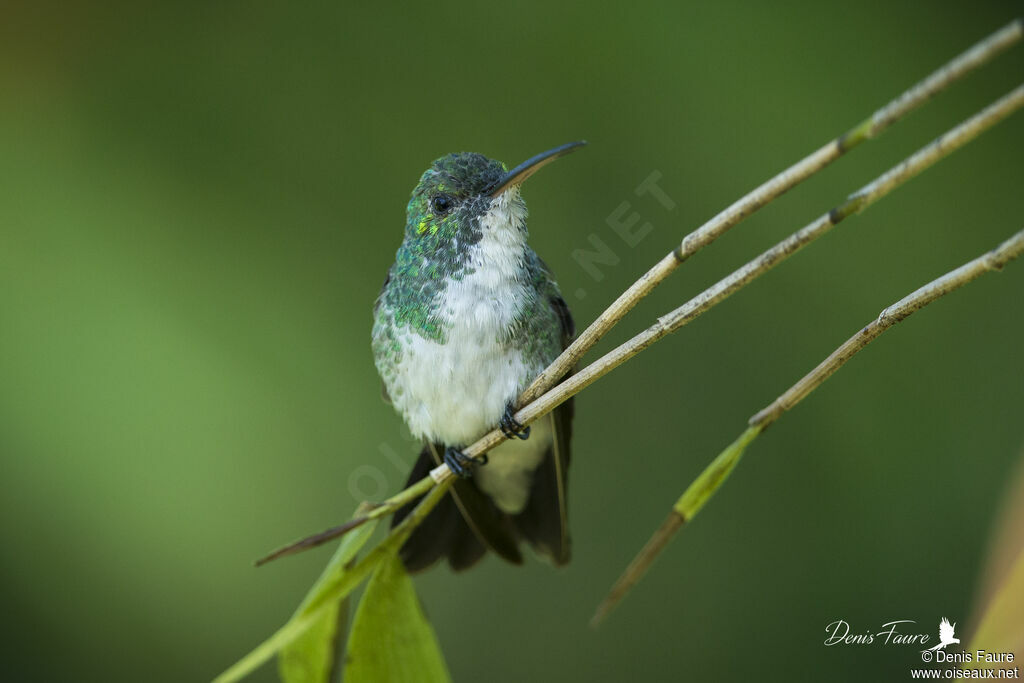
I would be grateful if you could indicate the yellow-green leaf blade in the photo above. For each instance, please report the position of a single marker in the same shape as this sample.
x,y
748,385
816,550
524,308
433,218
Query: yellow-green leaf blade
x,y
391,638
312,657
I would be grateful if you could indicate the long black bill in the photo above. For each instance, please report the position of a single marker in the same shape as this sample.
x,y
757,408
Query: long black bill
x,y
526,169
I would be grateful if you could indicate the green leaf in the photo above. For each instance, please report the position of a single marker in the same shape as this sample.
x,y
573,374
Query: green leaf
x,y
311,658
714,475
391,639
332,587
340,577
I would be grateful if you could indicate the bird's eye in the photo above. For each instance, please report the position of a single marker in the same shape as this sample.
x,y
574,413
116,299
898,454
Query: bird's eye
x,y
442,203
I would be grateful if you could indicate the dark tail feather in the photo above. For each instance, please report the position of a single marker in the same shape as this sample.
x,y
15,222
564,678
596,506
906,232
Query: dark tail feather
x,y
444,532
429,540
466,549
544,521
540,522
466,523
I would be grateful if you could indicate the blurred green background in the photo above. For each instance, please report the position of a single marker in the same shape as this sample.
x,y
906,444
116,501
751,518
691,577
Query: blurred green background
x,y
197,207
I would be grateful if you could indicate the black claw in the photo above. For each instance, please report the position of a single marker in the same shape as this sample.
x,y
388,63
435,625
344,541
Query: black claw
x,y
460,463
511,427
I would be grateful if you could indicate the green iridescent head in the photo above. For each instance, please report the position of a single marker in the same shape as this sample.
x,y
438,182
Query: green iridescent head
x,y
458,189
451,194
458,201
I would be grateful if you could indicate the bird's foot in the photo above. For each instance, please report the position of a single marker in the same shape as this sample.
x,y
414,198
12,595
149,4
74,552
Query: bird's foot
x,y
511,427
460,463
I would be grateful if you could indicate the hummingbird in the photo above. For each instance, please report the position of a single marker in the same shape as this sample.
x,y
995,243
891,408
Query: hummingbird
x,y
468,316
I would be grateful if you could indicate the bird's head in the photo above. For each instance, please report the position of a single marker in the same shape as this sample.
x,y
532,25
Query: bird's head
x,y
461,195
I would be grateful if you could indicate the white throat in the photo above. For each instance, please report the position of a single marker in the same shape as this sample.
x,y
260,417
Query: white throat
x,y
456,391
504,235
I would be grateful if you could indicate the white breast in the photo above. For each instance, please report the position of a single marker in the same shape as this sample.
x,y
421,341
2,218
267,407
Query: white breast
x,y
453,393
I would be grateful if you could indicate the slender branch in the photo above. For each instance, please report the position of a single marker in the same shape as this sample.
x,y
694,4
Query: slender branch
x,y
993,260
705,486
683,511
362,516
871,127
335,590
